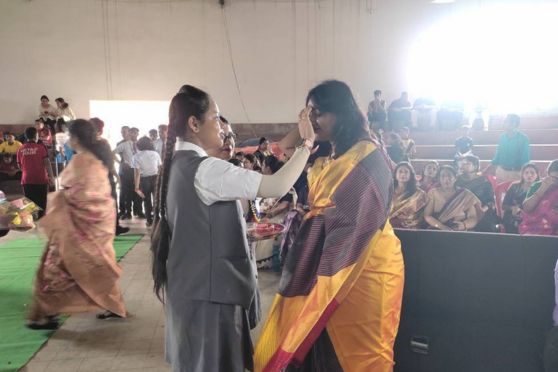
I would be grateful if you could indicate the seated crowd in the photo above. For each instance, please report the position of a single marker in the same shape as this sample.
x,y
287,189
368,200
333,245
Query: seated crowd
x,y
463,199
424,114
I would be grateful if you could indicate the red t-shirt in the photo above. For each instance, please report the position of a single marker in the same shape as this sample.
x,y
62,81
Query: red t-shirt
x,y
30,158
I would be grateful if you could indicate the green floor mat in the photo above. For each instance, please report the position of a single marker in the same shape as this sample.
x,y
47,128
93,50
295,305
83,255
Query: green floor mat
x,y
18,264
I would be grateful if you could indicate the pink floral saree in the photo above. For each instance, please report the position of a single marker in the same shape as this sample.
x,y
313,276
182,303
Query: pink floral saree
x,y
78,270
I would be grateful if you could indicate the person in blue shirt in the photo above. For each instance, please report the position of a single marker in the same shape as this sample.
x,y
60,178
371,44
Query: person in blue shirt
x,y
512,153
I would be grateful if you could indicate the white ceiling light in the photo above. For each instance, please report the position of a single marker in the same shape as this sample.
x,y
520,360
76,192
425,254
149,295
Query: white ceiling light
x,y
442,1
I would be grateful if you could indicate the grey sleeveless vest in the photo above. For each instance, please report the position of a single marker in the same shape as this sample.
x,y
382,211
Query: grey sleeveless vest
x,y
209,257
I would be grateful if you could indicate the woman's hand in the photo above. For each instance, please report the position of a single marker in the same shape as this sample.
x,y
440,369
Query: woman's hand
x,y
305,125
459,226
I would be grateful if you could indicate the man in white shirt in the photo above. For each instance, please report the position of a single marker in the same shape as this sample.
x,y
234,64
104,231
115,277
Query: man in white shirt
x,y
160,143
146,164
125,151
137,205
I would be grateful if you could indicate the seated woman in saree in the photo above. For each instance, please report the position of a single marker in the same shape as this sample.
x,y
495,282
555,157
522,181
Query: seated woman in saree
x,y
202,264
340,292
449,207
515,196
429,176
540,208
408,200
78,270
474,181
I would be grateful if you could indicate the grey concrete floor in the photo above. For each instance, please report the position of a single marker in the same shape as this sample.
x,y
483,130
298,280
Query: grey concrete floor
x,y
84,343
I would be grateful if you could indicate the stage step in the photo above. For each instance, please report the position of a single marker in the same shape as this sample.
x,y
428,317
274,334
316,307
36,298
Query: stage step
x,y
490,137
485,152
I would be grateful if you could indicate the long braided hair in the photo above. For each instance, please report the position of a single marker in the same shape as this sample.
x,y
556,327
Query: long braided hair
x,y
190,101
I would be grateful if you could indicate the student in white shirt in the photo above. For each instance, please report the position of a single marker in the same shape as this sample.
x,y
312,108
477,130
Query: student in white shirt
x,y
160,142
146,164
64,111
47,112
190,246
125,151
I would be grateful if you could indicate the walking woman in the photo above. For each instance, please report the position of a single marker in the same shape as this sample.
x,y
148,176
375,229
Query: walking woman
x,y
340,294
78,270
202,265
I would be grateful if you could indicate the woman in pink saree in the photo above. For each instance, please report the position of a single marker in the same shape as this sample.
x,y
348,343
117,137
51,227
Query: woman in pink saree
x,y
540,208
78,270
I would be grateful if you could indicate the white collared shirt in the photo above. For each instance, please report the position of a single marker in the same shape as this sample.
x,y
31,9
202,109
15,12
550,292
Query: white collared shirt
x,y
158,144
218,180
148,163
126,150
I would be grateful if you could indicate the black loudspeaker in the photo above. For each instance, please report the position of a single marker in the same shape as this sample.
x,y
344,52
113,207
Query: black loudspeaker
x,y
475,302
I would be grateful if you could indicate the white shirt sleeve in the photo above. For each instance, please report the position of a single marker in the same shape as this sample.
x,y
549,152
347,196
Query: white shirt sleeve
x,y
118,149
218,180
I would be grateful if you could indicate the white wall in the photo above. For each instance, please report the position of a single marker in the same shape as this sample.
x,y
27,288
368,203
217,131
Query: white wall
x,y
146,49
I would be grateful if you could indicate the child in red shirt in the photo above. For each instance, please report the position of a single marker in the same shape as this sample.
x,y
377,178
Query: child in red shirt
x,y
34,163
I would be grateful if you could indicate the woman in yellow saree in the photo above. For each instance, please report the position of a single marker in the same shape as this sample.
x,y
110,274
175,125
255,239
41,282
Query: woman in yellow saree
x,y
340,294
78,270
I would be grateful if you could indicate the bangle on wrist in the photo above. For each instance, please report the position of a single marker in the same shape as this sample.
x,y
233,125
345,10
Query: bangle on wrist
x,y
306,143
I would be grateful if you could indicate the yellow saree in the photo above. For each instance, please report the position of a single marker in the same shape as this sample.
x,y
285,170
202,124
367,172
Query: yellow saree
x,y
78,270
343,277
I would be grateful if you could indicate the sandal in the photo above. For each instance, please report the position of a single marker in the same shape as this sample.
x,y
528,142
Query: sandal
x,y
108,315
50,323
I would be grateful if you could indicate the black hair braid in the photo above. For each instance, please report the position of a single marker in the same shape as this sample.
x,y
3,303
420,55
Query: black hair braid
x,y
160,238
163,179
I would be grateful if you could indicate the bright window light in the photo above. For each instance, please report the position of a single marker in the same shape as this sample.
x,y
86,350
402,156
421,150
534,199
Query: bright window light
x,y
144,115
501,56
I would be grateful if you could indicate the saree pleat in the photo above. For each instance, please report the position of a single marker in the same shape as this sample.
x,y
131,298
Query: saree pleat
x,y
407,212
344,272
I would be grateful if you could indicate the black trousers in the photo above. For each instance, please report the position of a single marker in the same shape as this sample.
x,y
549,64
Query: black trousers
x,y
114,196
129,201
147,186
38,194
